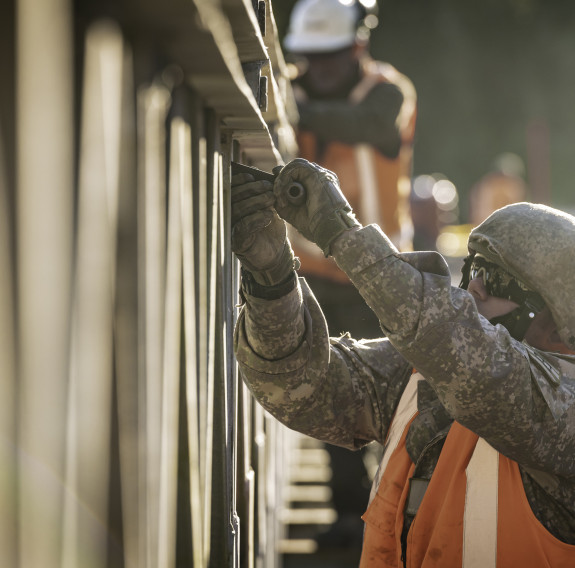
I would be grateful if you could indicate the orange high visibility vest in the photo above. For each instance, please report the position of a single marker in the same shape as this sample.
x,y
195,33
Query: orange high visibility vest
x,y
376,187
459,523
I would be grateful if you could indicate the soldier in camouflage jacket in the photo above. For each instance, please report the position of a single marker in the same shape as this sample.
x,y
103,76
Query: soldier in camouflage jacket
x,y
518,397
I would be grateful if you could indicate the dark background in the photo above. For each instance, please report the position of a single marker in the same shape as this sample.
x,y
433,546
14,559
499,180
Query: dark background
x,y
492,76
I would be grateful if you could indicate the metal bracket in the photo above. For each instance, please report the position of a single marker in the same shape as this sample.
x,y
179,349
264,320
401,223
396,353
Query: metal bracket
x,y
261,12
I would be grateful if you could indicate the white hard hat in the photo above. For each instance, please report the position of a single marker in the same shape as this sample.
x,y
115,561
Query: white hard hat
x,y
322,25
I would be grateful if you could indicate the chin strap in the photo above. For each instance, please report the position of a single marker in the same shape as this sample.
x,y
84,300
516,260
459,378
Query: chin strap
x,y
465,270
518,321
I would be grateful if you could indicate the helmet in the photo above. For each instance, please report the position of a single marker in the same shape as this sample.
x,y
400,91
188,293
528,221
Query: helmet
x,y
323,25
534,244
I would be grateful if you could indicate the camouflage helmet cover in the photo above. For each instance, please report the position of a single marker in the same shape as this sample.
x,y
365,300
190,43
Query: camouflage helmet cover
x,y
536,244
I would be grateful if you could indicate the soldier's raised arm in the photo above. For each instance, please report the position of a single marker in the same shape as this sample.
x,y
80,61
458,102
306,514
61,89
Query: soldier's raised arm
x,y
338,390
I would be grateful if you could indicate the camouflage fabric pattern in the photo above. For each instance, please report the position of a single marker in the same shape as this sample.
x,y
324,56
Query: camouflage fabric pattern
x,y
337,390
522,401
539,251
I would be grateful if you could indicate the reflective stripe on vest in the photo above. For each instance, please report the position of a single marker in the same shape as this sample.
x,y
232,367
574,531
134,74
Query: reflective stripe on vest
x,y
406,410
480,515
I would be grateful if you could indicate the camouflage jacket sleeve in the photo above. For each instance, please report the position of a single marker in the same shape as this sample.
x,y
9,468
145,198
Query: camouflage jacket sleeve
x,y
337,390
519,399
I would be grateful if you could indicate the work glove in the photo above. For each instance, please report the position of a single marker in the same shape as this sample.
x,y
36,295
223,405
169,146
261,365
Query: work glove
x,y
259,236
322,213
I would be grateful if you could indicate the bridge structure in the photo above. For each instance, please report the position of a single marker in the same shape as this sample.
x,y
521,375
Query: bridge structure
x,y
126,438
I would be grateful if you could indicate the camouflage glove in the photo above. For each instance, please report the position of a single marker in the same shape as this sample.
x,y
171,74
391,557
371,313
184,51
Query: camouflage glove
x,y
259,236
323,213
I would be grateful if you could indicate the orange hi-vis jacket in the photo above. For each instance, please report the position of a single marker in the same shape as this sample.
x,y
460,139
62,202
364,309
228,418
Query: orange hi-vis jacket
x,y
377,187
474,513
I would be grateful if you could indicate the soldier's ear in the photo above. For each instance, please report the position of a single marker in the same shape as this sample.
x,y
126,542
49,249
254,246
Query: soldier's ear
x,y
557,346
554,341
542,334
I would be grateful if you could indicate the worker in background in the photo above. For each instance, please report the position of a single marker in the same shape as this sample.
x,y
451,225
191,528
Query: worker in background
x,y
357,118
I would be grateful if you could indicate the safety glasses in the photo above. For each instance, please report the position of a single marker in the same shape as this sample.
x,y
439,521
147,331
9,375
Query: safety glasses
x,y
497,281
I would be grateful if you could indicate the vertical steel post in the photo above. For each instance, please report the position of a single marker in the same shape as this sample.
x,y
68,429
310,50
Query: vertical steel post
x,y
44,173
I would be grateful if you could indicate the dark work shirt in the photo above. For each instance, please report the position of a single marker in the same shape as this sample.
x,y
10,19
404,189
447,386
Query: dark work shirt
x,y
372,121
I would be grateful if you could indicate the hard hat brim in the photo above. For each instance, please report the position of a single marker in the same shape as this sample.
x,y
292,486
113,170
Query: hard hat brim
x,y
312,43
